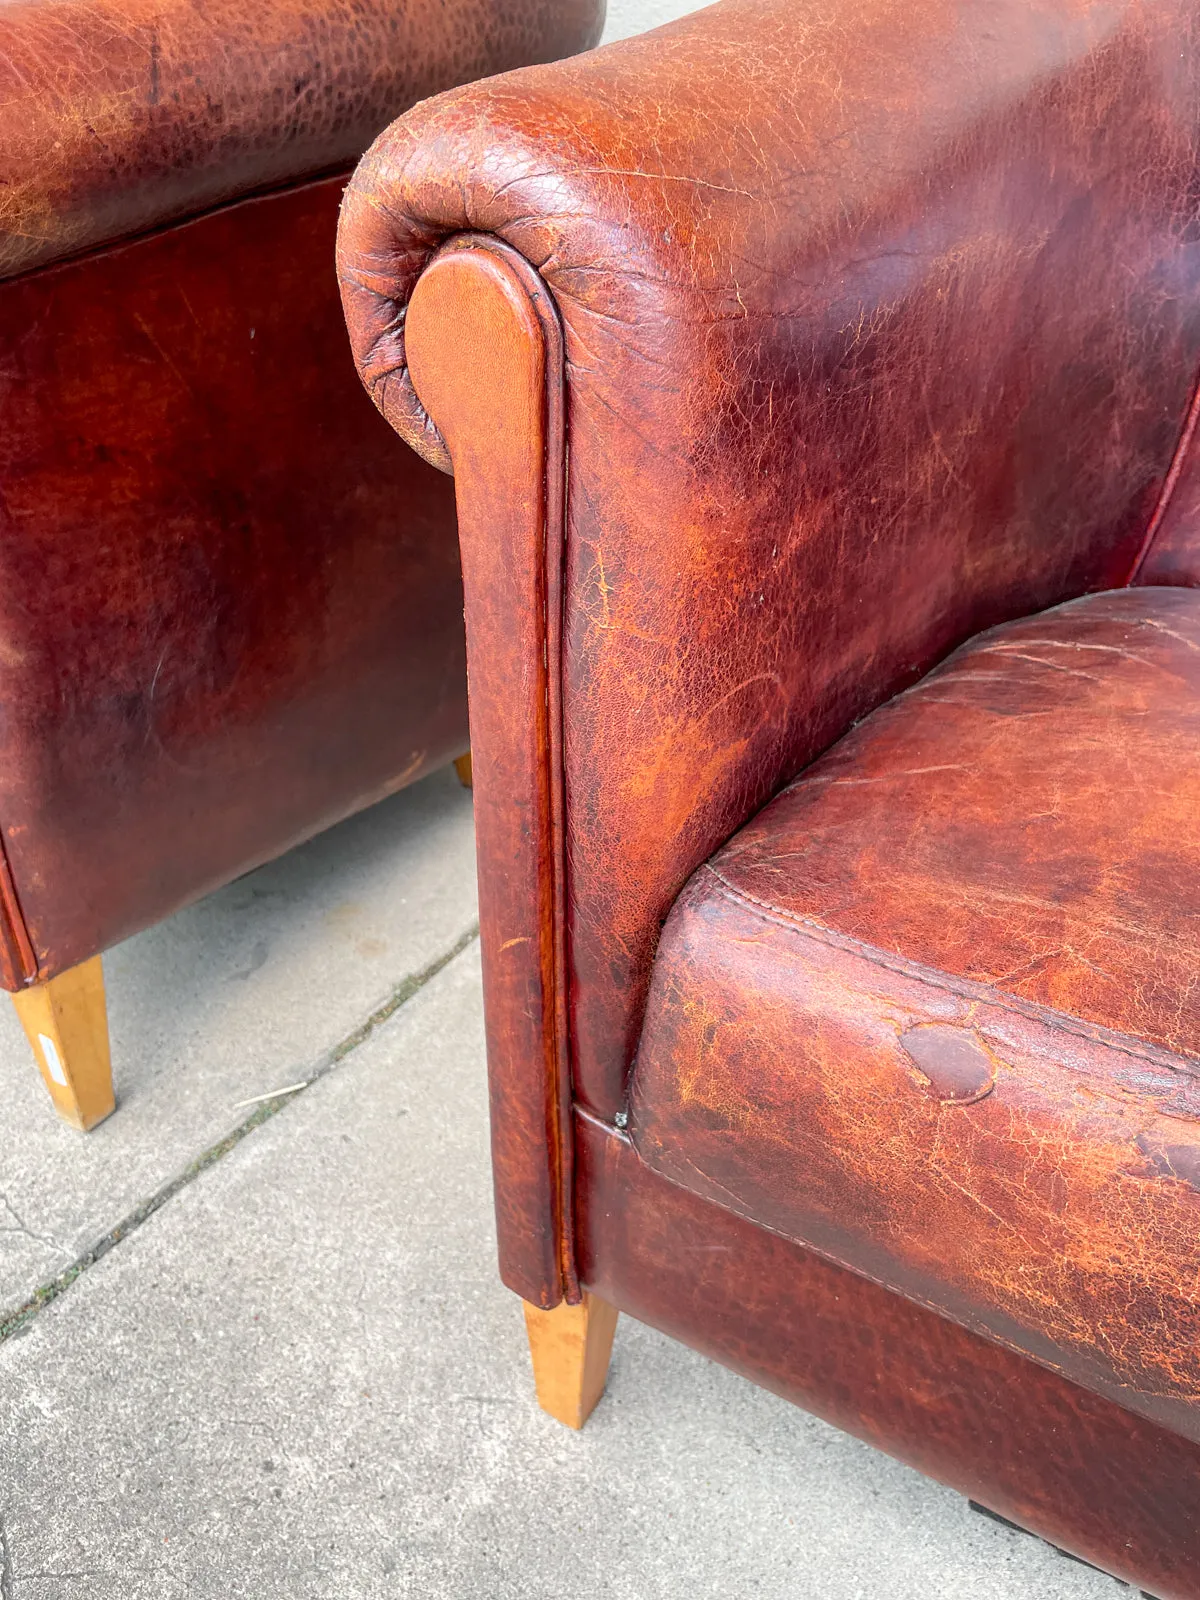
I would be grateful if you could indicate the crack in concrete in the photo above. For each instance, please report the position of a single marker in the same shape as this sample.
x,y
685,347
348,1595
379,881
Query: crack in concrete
x,y
19,1319
20,1226
97,1572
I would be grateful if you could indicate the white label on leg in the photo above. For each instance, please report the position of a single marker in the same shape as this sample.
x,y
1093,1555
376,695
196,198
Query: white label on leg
x,y
50,1054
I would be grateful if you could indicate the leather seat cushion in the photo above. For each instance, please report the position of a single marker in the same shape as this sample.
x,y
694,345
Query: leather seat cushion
x,y
935,1011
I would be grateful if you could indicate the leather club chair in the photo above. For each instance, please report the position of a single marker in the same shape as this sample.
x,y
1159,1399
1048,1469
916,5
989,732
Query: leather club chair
x,y
230,604
817,380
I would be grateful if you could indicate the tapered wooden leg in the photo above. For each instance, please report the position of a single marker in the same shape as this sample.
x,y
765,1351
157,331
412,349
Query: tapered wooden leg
x,y
462,765
570,1347
66,1021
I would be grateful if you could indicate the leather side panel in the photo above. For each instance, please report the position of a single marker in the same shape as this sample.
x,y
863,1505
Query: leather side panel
x,y
230,602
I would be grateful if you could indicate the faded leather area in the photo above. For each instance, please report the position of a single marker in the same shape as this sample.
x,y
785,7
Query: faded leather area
x,y
935,1011
117,116
1027,816
881,324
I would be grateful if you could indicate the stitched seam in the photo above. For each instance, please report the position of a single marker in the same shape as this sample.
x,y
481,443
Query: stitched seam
x,y
268,190
962,988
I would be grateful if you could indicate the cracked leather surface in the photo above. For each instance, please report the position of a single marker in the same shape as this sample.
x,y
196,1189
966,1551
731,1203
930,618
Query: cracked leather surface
x,y
119,115
936,1011
1173,549
881,325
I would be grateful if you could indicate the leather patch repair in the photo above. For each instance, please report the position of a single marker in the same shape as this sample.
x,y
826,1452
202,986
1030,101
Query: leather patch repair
x,y
1180,1161
952,1064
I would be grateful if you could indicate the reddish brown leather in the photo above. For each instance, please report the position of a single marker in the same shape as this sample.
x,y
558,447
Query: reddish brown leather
x,y
880,328
1075,1468
119,115
230,603
935,1011
1023,817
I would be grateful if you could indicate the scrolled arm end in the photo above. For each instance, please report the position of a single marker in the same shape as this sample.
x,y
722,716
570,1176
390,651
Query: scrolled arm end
x,y
382,252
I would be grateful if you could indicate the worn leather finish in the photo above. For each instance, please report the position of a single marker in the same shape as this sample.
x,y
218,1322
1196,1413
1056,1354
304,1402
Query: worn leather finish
x,y
119,115
1073,1467
230,602
935,1011
881,325
1024,817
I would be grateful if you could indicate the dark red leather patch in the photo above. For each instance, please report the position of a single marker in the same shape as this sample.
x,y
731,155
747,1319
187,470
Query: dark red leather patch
x,y
953,1062
1173,1160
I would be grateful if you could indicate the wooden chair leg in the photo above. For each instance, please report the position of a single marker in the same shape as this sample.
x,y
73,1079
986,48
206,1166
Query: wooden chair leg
x,y
66,1021
570,1347
462,765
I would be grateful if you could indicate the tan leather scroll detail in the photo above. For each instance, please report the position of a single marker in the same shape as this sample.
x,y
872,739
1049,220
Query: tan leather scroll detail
x,y
485,352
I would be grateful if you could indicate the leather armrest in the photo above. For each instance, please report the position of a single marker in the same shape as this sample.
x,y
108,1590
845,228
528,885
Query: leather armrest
x,y
880,326
117,116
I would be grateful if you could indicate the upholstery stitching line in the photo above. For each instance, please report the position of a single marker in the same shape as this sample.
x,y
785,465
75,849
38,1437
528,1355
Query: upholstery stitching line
x,y
964,988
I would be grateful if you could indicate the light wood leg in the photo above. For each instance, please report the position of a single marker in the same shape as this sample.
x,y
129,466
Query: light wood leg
x,y
66,1021
570,1347
462,765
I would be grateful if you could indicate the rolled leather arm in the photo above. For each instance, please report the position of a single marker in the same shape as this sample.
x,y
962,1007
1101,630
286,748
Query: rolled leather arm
x,y
877,331
119,115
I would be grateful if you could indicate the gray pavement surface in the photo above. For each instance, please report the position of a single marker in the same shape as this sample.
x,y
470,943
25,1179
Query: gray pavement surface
x,y
300,1377
241,994
626,17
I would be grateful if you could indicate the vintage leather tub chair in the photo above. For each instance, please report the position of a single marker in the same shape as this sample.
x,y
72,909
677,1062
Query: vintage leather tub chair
x,y
230,604
816,380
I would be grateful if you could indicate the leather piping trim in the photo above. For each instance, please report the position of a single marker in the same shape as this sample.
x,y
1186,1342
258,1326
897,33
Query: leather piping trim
x,y
559,1135
1170,482
1181,1062
13,931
